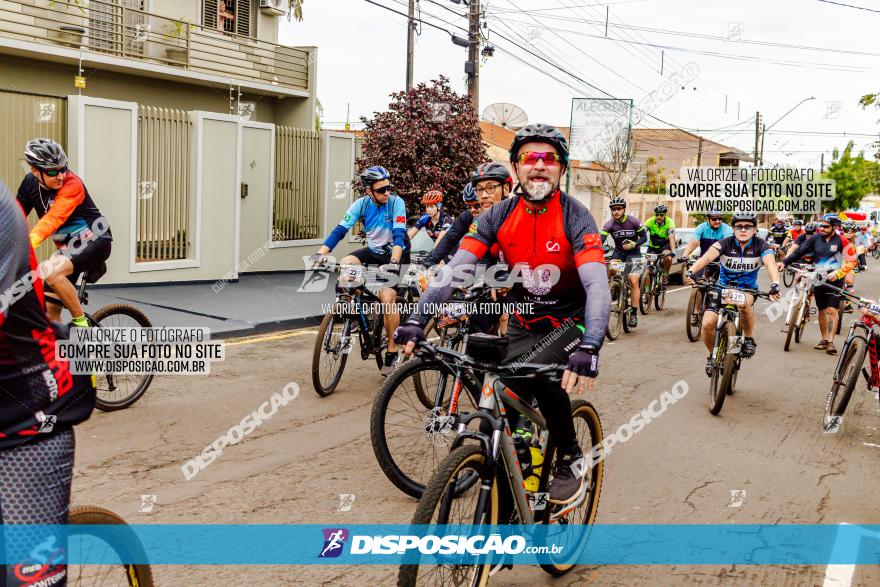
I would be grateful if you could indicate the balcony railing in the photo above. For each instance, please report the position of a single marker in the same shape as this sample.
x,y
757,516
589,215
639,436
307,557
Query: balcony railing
x,y
120,28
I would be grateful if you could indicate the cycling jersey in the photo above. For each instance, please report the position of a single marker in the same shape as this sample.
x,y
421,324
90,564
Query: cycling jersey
x,y
562,234
434,228
794,233
799,241
628,230
835,253
385,225
739,264
778,233
38,394
446,247
63,213
658,236
708,236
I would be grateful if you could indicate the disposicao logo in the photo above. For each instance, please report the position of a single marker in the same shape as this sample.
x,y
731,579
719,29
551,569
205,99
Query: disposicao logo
x,y
334,540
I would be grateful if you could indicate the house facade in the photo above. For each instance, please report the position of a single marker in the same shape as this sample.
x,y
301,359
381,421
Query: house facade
x,y
192,127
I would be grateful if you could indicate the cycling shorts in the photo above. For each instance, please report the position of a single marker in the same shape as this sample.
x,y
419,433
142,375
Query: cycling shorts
x,y
826,297
90,256
635,262
35,480
657,250
369,257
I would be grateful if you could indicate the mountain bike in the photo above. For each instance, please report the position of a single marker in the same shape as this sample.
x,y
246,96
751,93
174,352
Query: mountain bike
x,y
466,487
800,308
114,391
726,357
415,414
620,296
863,340
356,313
651,286
875,250
696,306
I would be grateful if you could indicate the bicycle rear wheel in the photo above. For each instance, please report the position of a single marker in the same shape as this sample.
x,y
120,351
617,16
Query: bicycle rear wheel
x,y
787,278
694,315
803,319
409,436
842,390
442,503
330,355
588,428
114,571
660,296
794,325
118,391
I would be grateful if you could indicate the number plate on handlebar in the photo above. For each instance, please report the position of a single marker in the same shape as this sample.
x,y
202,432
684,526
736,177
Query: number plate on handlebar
x,y
733,296
874,308
617,265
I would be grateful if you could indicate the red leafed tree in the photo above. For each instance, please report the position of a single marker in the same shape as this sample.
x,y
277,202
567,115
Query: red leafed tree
x,y
429,138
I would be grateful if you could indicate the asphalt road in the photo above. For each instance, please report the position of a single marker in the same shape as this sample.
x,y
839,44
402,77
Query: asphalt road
x,y
682,468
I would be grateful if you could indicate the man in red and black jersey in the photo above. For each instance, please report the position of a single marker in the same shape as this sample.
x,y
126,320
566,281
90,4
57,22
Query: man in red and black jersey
x,y
66,212
40,400
552,241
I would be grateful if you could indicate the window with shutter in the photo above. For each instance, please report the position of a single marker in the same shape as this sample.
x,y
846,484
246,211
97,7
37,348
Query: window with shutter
x,y
209,14
230,16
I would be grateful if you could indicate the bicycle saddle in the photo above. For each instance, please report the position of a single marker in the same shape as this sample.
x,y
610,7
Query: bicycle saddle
x,y
487,347
96,273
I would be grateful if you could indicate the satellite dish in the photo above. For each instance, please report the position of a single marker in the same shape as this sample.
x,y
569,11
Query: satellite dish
x,y
505,115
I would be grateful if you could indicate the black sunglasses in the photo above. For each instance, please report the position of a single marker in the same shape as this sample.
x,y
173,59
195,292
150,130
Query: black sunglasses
x,y
824,226
383,190
53,172
714,219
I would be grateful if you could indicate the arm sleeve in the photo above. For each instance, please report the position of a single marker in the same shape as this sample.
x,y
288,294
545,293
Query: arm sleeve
x,y
349,220
642,235
422,221
598,307
850,260
805,248
437,294
13,246
482,232
398,228
584,237
449,241
67,199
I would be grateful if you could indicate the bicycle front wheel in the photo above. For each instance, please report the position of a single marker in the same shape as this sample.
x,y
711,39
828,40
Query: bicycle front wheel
x,y
842,389
723,370
646,292
116,391
794,324
111,570
660,296
582,513
444,503
787,278
330,354
409,435
615,318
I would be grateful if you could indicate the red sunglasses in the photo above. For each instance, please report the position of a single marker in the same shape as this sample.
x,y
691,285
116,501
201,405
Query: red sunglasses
x,y
532,158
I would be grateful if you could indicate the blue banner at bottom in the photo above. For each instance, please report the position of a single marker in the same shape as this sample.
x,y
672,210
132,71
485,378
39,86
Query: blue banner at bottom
x,y
355,544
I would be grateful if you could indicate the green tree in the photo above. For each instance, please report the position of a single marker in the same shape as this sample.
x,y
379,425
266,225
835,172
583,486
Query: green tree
x,y
295,9
429,138
854,178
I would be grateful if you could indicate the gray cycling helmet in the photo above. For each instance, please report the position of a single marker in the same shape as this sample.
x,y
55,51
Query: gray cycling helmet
x,y
661,209
540,133
45,154
810,227
492,170
617,201
744,217
469,194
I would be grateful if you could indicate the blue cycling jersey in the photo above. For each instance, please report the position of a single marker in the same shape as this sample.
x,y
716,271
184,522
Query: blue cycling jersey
x,y
384,225
708,236
740,264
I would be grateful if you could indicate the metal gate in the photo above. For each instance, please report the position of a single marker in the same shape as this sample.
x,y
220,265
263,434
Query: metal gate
x,y
22,117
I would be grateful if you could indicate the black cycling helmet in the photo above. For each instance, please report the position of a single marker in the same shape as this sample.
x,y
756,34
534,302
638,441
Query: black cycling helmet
x,y
617,201
810,227
744,217
45,154
540,133
371,175
469,194
492,170
661,209
849,226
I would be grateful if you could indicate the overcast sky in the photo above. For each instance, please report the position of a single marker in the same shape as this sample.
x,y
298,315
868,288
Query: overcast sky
x,y
362,59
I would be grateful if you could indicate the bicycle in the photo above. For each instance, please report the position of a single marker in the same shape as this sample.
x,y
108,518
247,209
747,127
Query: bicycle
x,y
696,306
356,311
726,357
652,286
114,391
800,309
875,250
620,295
863,340
415,414
465,487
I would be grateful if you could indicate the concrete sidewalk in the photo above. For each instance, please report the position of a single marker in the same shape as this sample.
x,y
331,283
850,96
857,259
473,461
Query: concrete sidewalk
x,y
254,304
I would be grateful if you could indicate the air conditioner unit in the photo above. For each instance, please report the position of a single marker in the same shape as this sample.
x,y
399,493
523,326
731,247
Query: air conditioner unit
x,y
274,7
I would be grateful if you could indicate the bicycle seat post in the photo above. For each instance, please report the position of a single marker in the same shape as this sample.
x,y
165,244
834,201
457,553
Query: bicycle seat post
x,y
83,295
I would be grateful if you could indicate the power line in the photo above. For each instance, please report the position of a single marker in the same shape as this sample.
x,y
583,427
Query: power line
x,y
849,5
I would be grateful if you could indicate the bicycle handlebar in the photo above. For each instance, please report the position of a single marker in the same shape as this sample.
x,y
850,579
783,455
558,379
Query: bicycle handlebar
x,y
510,370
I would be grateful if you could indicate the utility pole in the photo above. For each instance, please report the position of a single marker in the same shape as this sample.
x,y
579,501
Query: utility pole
x,y
700,152
763,134
757,135
472,67
410,42
822,163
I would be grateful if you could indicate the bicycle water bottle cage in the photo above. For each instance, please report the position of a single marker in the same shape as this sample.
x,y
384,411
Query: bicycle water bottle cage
x,y
487,347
